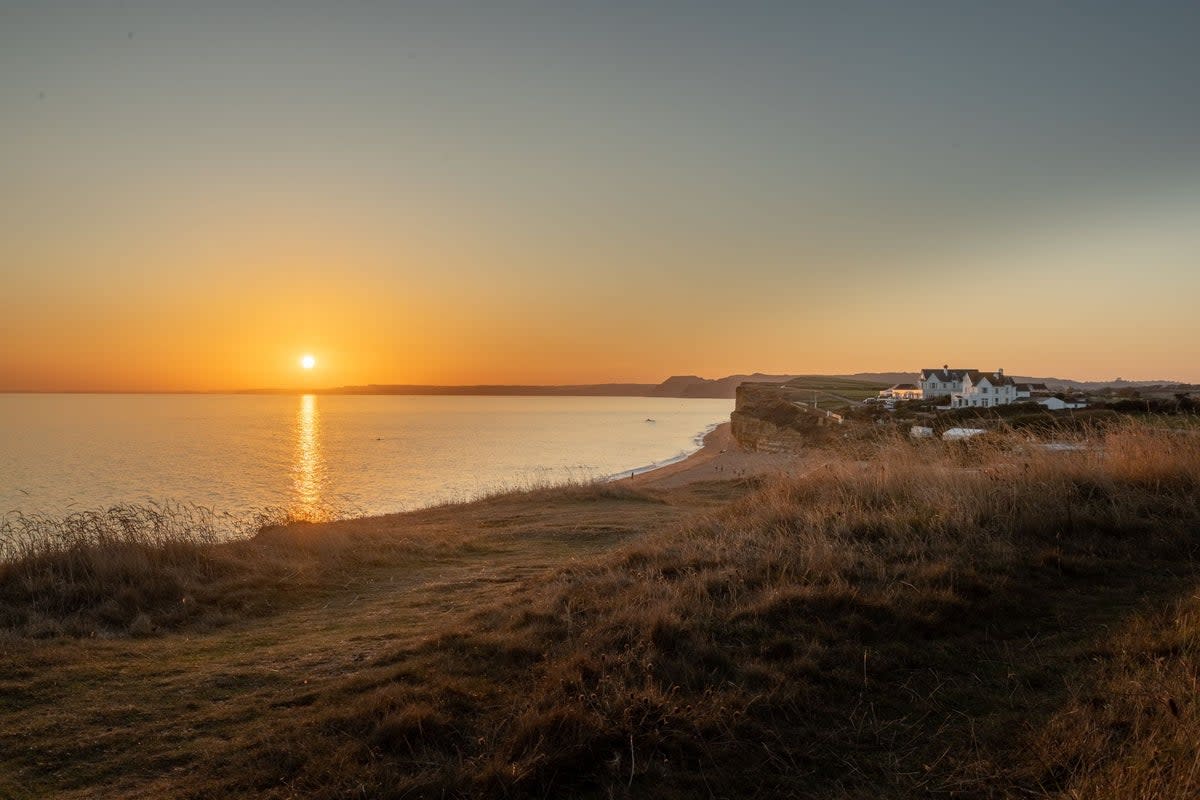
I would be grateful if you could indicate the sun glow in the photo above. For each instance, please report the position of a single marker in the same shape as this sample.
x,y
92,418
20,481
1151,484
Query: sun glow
x,y
307,362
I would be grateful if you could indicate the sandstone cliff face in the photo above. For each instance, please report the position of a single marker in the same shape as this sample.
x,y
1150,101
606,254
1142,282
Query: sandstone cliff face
x,y
766,419
752,433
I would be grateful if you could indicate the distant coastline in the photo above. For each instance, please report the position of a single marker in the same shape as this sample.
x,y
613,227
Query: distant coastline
x,y
677,386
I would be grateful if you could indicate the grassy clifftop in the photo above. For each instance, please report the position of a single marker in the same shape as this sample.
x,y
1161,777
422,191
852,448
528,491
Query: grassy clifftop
x,y
906,620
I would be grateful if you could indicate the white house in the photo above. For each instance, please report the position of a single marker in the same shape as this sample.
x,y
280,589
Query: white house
x,y
970,388
984,390
942,382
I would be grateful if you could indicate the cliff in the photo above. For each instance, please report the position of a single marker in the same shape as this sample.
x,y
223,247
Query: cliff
x,y
768,417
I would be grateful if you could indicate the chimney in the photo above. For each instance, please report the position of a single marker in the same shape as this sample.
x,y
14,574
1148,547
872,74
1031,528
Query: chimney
x,y
945,367
1000,372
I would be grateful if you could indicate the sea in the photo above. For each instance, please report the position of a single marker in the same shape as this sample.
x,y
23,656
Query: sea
x,y
323,456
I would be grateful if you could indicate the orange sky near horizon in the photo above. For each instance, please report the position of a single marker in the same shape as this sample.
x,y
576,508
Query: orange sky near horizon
x,y
240,316
239,330
605,194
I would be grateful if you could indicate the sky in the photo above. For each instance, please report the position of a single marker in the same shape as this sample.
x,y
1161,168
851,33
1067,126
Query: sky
x,y
194,195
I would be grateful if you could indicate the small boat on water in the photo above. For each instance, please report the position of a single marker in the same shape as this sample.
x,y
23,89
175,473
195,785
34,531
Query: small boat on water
x,y
649,420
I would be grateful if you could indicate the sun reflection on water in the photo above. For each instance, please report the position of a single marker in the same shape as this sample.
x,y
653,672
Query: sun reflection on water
x,y
308,472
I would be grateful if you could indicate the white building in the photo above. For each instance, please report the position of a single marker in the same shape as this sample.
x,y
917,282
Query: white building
x,y
942,382
1057,404
970,388
1028,390
984,390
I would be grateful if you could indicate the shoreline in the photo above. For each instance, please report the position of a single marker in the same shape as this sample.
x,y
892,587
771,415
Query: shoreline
x,y
718,458
702,441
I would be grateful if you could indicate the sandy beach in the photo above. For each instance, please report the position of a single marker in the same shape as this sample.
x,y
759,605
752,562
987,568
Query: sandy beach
x,y
719,459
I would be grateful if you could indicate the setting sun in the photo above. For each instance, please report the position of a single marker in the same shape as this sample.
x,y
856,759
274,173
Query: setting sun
x,y
308,362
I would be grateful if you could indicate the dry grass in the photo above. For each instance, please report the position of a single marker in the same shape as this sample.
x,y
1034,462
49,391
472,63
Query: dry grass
x,y
1132,730
987,620
143,569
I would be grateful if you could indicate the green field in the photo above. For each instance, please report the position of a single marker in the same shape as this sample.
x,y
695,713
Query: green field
x,y
831,391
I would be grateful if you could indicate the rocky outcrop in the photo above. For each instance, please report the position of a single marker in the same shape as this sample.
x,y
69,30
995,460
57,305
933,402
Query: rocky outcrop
x,y
752,433
772,418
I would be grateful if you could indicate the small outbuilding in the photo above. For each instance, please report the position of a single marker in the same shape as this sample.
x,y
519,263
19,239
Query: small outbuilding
x,y
1058,404
903,391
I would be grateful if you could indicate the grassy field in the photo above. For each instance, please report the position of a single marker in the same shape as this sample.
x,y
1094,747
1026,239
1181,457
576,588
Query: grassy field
x,y
828,387
907,620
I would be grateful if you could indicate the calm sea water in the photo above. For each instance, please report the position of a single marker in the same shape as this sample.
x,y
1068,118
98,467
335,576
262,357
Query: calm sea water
x,y
358,454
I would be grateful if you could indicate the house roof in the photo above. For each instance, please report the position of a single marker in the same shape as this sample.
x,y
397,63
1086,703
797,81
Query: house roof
x,y
909,386
945,374
994,378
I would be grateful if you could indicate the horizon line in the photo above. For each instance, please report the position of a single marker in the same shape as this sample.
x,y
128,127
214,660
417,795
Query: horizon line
x,y
460,386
